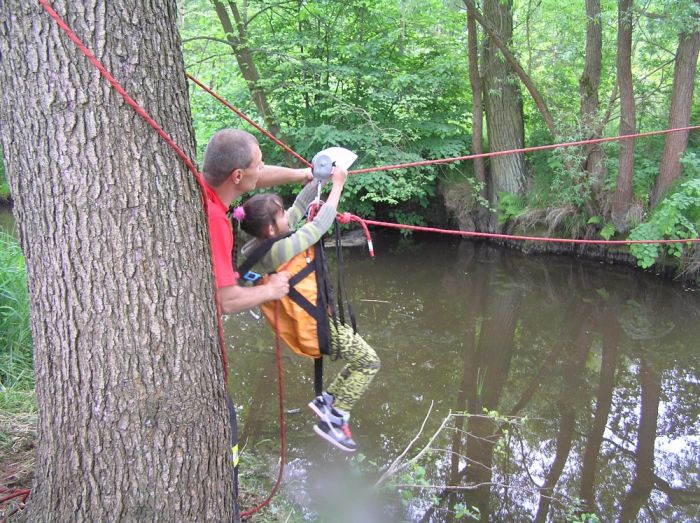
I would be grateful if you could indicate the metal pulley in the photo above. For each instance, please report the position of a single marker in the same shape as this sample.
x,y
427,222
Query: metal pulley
x,y
321,167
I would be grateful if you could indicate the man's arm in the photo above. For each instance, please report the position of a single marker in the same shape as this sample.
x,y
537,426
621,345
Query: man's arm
x,y
236,298
275,175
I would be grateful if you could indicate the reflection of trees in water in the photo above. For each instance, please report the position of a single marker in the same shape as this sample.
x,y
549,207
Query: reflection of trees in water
x,y
562,343
563,360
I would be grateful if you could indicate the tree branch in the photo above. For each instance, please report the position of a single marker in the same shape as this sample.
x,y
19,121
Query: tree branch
x,y
513,62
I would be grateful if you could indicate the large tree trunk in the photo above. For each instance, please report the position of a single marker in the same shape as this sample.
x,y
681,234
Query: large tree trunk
x,y
628,118
504,110
590,105
495,36
679,114
129,383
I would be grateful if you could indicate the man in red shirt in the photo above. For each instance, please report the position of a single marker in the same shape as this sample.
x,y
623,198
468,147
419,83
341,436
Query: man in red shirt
x,y
233,166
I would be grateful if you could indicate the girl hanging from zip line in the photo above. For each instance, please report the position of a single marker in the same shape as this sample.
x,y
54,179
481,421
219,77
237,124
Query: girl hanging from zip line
x,y
263,216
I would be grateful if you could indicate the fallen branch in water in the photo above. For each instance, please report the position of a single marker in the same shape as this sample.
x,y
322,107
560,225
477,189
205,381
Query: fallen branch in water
x,y
396,465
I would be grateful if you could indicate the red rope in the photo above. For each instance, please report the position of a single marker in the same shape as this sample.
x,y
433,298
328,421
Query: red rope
x,y
525,238
346,217
522,150
251,122
423,163
20,493
283,437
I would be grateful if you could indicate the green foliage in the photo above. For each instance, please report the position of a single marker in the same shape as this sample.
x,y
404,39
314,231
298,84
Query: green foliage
x,y
346,74
4,188
676,217
463,511
16,375
390,81
509,206
575,513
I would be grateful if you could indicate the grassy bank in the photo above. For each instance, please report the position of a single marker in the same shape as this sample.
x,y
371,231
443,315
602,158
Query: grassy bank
x,y
16,374
17,404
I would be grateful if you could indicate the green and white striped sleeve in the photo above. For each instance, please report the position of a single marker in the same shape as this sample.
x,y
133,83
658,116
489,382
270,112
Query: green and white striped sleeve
x,y
297,211
301,239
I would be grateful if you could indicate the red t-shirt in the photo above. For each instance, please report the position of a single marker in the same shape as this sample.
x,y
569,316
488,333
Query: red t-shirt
x,y
221,238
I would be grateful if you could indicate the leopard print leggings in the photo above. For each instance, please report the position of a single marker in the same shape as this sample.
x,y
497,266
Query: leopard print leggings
x,y
362,363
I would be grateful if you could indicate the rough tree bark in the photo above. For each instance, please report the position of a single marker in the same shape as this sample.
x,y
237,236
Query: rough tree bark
x,y
589,84
129,384
495,35
503,103
679,113
628,118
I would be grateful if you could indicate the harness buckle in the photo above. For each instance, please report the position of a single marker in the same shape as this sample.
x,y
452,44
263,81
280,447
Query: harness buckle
x,y
251,277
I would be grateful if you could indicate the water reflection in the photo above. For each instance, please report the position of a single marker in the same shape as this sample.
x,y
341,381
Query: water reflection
x,y
570,387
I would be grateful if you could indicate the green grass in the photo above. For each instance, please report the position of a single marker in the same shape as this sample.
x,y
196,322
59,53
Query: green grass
x,y
16,369
256,478
4,190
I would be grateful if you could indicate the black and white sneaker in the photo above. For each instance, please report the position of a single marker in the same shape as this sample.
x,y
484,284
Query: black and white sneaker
x,y
322,405
335,430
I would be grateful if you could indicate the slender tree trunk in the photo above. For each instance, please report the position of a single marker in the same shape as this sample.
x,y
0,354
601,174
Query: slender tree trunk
x,y
494,30
589,90
477,113
477,104
238,40
129,382
679,114
504,109
628,118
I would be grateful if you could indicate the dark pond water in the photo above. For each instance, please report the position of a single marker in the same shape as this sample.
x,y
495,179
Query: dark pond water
x,y
527,388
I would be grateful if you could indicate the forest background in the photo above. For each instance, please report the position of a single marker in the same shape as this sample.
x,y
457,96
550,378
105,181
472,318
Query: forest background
x,y
396,82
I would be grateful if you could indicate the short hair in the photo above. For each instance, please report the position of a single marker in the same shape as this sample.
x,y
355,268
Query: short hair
x,y
227,150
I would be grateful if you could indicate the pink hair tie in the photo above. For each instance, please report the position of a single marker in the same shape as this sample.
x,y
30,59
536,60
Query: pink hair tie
x,y
239,214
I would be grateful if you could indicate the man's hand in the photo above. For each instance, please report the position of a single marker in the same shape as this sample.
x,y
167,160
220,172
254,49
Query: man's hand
x,y
236,298
306,175
277,285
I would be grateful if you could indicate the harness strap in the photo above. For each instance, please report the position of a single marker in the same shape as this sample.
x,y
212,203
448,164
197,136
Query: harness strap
x,y
257,254
318,376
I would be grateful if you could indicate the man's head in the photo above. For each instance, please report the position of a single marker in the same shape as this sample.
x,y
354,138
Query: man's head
x,y
233,155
